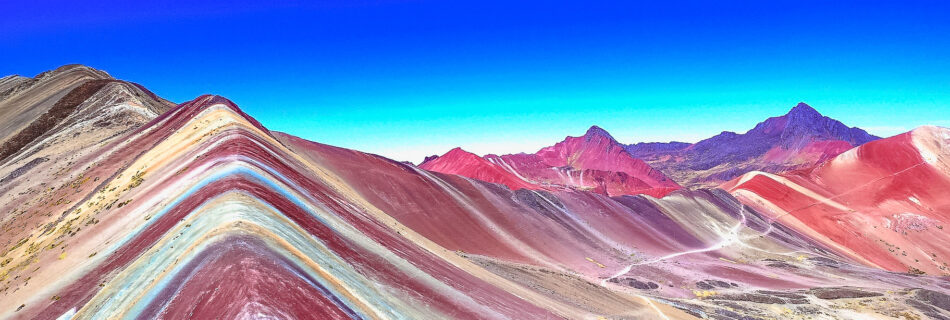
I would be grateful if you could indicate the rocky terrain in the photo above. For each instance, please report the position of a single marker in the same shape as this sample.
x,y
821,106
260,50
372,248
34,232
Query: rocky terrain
x,y
122,205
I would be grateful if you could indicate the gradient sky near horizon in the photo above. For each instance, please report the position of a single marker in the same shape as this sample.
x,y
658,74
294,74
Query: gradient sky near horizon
x,y
406,79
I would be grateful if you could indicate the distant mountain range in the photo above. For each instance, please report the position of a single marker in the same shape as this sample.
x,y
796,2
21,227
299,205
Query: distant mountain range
x,y
799,139
594,161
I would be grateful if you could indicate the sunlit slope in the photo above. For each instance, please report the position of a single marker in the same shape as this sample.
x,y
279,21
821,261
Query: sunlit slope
x,y
885,203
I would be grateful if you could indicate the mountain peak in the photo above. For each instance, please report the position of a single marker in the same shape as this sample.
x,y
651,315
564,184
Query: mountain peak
x,y
458,152
595,131
74,68
429,158
803,110
804,120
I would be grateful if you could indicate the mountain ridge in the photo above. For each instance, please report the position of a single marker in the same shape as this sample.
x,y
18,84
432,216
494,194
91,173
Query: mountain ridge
x,y
800,138
593,161
30,107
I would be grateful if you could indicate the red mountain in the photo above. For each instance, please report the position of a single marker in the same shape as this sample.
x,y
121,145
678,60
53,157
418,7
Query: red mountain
x,y
464,163
594,161
884,203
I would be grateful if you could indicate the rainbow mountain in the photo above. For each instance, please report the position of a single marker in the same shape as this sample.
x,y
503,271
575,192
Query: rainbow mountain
x,y
197,210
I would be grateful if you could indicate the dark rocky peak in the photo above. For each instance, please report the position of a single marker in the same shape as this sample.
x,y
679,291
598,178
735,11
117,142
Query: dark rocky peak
x,y
596,131
801,119
803,115
429,158
803,110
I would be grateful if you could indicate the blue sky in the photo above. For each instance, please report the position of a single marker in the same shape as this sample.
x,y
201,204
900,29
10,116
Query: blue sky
x,y
407,79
